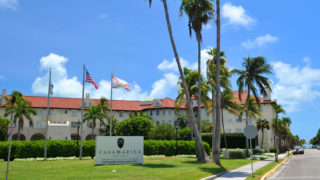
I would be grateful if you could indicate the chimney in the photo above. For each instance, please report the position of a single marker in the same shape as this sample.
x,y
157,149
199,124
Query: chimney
x,y
87,100
267,97
3,98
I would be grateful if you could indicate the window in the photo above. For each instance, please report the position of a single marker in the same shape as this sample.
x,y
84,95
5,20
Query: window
x,y
261,108
38,124
90,125
170,122
66,111
39,112
150,113
237,120
157,122
74,124
121,114
169,112
163,122
163,112
228,130
74,113
230,121
238,130
157,112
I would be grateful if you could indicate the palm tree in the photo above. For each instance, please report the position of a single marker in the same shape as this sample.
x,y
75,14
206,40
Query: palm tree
x,y
253,109
201,154
199,12
22,108
228,103
278,109
224,75
255,68
104,107
261,125
93,113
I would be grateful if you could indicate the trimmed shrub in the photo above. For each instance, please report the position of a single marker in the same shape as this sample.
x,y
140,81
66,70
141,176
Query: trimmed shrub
x,y
237,153
135,126
258,151
65,148
162,132
234,140
184,134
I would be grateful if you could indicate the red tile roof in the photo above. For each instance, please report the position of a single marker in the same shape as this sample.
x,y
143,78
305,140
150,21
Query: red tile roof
x,y
117,105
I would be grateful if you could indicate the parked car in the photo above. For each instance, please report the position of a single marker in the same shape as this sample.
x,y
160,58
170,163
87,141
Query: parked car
x,y
298,150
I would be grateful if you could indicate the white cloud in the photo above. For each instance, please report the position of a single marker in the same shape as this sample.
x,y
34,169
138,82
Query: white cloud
x,y
10,4
295,85
236,15
102,16
162,87
259,41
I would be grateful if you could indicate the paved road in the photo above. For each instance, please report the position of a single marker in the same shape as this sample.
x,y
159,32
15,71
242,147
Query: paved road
x,y
299,167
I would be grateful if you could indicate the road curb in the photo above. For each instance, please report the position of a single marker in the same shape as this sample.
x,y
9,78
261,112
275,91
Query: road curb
x,y
272,171
214,176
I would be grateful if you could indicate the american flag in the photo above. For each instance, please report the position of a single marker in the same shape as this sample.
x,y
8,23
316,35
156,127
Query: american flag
x,y
90,80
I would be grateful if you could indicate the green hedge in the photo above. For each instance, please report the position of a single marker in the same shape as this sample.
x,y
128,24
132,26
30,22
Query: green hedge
x,y
65,148
234,140
237,153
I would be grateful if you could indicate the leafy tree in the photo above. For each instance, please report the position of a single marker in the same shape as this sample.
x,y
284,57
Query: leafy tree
x,y
262,124
93,114
4,122
135,126
182,122
21,109
201,154
114,125
252,76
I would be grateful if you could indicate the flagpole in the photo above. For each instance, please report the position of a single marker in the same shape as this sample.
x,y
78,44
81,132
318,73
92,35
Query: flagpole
x,y
111,106
47,118
82,107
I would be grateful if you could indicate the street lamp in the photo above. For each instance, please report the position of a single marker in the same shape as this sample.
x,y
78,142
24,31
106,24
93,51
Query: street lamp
x,y
176,125
78,126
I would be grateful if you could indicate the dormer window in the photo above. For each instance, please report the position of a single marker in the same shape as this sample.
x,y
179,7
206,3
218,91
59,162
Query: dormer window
x,y
157,103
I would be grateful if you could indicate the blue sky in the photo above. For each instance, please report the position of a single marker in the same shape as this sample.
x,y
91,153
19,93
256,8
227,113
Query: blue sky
x,y
132,41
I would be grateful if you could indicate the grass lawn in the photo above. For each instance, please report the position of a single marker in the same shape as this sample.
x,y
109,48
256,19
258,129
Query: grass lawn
x,y
262,171
153,168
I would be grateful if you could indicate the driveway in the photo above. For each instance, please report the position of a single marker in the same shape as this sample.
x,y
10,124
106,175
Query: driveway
x,y
304,166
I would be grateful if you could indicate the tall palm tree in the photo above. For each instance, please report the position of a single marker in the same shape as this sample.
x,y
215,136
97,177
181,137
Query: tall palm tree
x,y
252,75
201,154
191,80
199,12
261,125
224,75
278,109
253,109
92,115
12,101
22,108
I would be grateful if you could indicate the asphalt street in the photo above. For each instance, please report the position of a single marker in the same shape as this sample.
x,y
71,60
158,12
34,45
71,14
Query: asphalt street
x,y
304,166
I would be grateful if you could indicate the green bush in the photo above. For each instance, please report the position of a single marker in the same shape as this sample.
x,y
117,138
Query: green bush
x,y
258,151
234,140
162,132
184,134
65,148
237,153
135,126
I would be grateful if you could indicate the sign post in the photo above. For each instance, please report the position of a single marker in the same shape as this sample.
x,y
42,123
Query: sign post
x,y
10,132
250,132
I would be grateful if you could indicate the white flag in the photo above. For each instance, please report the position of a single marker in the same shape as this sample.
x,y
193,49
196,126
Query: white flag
x,y
50,87
119,83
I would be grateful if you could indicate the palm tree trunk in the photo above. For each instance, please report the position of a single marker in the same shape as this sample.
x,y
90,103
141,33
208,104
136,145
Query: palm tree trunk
x,y
224,132
202,155
217,126
276,140
247,118
213,118
199,82
262,139
19,128
92,129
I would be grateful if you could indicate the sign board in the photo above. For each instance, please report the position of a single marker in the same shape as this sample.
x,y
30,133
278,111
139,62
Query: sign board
x,y
10,129
119,150
250,131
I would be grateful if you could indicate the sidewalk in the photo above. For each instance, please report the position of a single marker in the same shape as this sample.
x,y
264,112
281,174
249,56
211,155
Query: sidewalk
x,y
243,172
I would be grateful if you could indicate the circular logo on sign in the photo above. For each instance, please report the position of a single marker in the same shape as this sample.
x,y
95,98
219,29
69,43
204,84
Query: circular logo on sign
x,y
120,142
